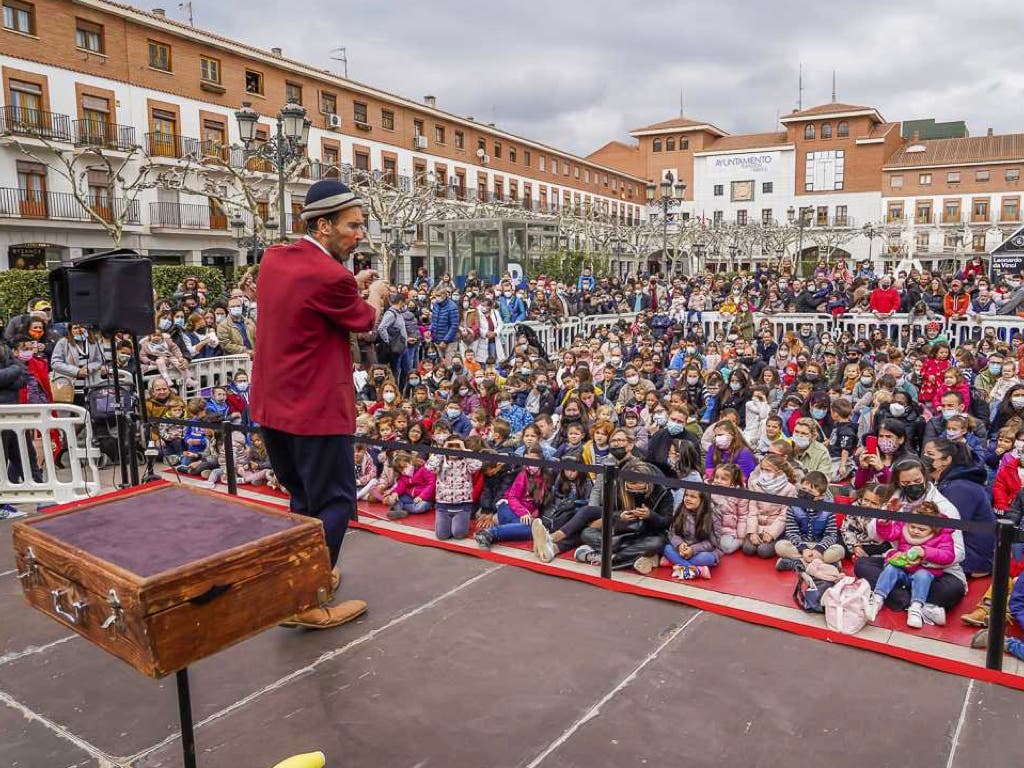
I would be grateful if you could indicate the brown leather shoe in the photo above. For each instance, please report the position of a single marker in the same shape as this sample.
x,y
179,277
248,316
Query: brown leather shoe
x,y
335,580
328,617
976,618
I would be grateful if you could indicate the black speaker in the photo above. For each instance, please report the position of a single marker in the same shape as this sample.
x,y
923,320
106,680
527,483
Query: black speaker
x,y
112,291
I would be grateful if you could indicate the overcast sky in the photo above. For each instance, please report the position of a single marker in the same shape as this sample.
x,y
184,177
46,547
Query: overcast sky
x,y
578,73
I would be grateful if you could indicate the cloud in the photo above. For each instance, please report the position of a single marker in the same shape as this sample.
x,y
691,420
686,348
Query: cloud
x,y
576,74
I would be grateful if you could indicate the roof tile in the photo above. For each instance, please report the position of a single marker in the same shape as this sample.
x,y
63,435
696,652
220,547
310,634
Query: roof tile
x,y
973,149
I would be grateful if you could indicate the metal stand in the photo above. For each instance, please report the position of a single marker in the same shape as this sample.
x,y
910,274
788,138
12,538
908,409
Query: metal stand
x,y
1006,532
125,428
188,739
609,480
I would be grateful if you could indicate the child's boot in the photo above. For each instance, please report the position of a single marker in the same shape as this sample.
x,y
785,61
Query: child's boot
x,y
979,616
874,606
915,616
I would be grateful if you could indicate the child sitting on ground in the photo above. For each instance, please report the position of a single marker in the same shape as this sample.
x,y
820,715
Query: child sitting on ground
x,y
497,477
772,432
413,492
857,539
194,440
693,547
217,403
254,464
172,436
921,553
731,513
219,473
520,507
366,471
766,520
809,534
454,490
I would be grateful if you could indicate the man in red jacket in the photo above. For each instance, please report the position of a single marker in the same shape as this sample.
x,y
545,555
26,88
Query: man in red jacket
x,y
885,299
302,390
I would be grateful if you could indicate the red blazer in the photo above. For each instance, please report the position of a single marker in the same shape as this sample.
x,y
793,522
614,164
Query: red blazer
x,y
302,366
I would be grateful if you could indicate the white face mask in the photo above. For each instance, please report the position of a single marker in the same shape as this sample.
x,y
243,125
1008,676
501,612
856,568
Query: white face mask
x,y
897,409
723,441
388,397
801,442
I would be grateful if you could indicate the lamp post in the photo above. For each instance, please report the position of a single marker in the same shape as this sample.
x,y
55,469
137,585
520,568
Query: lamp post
x,y
672,192
287,145
252,243
791,215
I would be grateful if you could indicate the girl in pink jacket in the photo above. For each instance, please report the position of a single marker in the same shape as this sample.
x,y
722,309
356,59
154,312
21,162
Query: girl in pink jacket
x,y
413,491
766,520
522,504
730,513
919,554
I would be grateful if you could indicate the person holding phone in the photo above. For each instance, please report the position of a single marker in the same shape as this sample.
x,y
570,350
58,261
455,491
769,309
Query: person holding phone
x,y
880,452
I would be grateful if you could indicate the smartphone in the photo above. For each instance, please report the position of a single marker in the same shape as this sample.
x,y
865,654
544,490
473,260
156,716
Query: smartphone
x,y
871,444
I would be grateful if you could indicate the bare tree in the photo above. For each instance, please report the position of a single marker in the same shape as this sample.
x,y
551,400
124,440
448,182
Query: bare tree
x,y
828,239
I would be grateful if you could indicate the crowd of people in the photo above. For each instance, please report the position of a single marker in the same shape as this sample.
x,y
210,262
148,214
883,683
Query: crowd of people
x,y
921,425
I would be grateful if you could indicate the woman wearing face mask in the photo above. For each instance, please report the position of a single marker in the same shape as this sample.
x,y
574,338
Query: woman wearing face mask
x,y
158,353
809,453
875,466
390,399
238,396
738,394
673,433
1012,405
910,486
78,360
200,340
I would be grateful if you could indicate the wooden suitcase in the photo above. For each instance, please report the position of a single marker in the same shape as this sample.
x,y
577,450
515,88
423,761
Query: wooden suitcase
x,y
165,575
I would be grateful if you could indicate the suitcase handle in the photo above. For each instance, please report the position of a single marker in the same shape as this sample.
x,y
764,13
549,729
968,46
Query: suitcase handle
x,y
78,606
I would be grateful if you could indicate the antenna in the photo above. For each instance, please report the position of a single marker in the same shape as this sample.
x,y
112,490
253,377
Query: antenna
x,y
833,86
681,114
186,7
342,56
800,88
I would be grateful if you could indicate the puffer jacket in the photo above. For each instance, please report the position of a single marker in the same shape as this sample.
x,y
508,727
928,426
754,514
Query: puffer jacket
x,y
765,517
964,487
732,514
444,321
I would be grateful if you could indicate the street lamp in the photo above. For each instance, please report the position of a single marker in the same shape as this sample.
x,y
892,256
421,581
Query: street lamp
x,y
791,215
288,144
672,193
252,243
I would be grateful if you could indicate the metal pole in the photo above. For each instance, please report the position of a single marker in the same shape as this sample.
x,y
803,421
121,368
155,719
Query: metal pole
x,y
122,438
229,458
1006,532
188,739
608,493
664,229
279,159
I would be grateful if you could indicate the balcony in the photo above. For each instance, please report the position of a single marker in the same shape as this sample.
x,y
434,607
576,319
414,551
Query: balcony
x,y
18,203
193,216
19,121
923,218
952,217
171,145
895,219
90,133
981,218
1009,216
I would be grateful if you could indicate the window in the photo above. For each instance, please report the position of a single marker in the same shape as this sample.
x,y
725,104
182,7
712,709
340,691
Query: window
x,y
951,212
19,17
684,144
359,113
214,138
924,213
511,154
824,171
821,218
717,217
565,167
1013,174
540,163
842,129
896,182
979,210
328,103
953,177
362,160
656,146
719,190
981,175
331,160
826,130
741,191
766,217
921,241
576,171
387,119
293,92
978,242
460,140
586,176
809,131
924,179
526,158
767,187
439,134
895,212
554,165
842,219
481,144
209,69
1011,209
31,189
95,126
497,149
390,170
89,35
741,217
670,144
160,56
417,127
253,82
27,100
164,141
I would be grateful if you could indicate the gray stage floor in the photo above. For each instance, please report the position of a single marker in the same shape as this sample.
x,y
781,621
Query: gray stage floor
x,y
462,662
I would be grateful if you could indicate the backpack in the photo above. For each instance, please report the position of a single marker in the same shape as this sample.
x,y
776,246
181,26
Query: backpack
x,y
846,604
808,592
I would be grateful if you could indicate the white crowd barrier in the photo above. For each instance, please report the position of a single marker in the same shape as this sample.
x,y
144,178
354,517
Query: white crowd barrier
x,y
213,372
21,427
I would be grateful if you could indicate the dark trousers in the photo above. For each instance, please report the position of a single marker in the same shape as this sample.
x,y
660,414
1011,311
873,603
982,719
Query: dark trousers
x,y
946,590
319,472
15,470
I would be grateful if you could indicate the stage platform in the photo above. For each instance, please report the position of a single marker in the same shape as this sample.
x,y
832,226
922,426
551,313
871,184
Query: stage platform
x,y
470,661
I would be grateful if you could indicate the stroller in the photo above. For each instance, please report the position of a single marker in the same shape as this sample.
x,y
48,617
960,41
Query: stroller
x,y
101,402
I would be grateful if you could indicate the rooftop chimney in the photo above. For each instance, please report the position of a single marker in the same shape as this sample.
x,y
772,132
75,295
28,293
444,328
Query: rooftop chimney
x,y
470,118
916,137
430,101
490,125
989,132
159,12
276,51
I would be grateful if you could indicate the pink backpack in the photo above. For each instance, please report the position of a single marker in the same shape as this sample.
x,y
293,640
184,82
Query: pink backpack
x,y
846,605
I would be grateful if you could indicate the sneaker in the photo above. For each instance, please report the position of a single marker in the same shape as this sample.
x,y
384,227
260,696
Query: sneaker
x,y
397,513
329,617
874,606
787,564
915,616
978,617
587,554
9,512
934,615
646,563
678,572
980,639
483,539
703,571
543,545
1015,647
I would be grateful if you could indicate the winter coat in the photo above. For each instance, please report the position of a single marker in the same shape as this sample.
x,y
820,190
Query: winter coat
x,y
420,484
964,487
495,487
931,376
806,528
939,551
689,534
731,515
454,478
444,321
519,500
765,517
948,510
1007,483
815,458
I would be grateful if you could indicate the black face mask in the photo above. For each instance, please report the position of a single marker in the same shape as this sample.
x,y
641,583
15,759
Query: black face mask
x,y
804,494
914,491
618,452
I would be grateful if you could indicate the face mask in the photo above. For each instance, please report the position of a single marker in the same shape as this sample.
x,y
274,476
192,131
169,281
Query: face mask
x,y
632,380
801,442
413,382
463,391
236,312
507,294
811,375
804,494
723,441
897,409
818,413
617,361
618,452
26,355
660,419
452,413
80,337
887,446
440,437
691,380
674,429
219,317
772,482
242,386
914,491
735,386
505,407
123,359
866,380
1018,402
954,434
995,369
525,371
35,333
948,413
180,322
532,470
165,324
388,397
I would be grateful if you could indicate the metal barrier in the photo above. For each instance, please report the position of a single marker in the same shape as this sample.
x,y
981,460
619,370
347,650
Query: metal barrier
x,y
213,372
791,322
20,427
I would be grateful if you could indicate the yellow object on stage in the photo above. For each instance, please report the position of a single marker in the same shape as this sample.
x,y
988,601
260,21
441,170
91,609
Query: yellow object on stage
x,y
309,760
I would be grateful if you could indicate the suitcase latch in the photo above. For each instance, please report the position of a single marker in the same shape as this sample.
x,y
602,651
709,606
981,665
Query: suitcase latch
x,y
78,607
31,572
116,617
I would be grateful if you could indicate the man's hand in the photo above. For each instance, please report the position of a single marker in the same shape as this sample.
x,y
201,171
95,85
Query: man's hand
x,y
378,291
365,278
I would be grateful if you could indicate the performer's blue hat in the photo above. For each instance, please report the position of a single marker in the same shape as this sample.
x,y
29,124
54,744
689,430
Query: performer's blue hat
x,y
326,197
